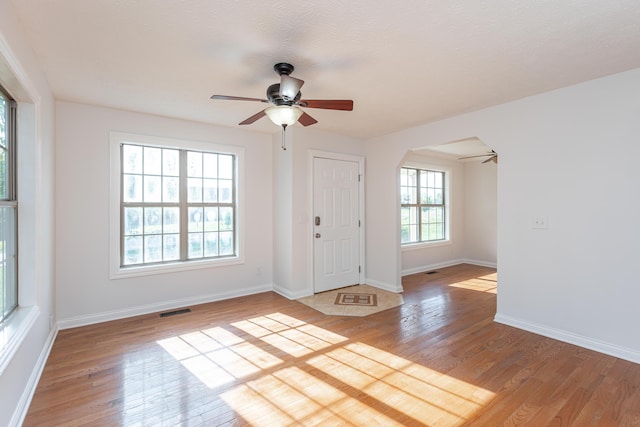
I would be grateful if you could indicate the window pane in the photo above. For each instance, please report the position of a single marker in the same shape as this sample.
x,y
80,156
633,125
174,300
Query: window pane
x,y
195,190
171,220
8,253
152,221
408,195
210,165
210,244
438,197
226,219
226,191
431,196
131,159
132,250
132,221
152,248
132,188
152,161
225,166
438,180
210,190
195,219
4,170
194,164
211,219
195,245
430,178
152,189
170,162
403,177
171,247
170,190
226,243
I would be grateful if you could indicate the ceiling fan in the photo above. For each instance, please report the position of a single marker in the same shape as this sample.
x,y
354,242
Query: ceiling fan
x,y
286,99
492,157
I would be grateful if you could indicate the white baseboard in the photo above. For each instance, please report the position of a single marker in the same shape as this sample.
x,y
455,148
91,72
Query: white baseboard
x,y
449,263
384,286
27,395
156,307
291,295
490,264
430,267
571,338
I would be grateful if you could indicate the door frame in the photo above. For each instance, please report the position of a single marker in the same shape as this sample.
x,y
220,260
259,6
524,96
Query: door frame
x,y
361,204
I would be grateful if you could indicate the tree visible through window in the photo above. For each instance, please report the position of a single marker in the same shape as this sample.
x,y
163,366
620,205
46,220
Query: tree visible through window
x,y
176,205
422,212
8,207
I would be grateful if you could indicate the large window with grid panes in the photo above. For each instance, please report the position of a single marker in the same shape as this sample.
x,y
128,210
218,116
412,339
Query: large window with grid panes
x,y
8,207
423,209
177,203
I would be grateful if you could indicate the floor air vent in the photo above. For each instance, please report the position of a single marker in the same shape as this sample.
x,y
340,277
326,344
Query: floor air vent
x,y
174,312
431,272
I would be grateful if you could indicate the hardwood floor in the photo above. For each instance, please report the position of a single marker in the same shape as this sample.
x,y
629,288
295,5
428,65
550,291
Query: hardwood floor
x,y
264,360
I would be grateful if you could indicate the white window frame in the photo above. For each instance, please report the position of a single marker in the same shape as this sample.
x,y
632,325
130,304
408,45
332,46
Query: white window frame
x,y
116,270
448,180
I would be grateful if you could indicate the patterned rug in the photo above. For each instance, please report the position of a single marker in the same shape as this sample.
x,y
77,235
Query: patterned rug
x,y
358,300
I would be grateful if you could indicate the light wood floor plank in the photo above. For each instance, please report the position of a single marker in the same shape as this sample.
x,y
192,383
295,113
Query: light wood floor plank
x,y
263,360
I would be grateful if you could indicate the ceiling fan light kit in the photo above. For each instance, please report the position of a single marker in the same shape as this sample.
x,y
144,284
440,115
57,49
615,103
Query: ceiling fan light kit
x,y
283,114
285,99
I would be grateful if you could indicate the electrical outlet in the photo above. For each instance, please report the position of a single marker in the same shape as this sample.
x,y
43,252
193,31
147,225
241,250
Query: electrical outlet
x,y
540,222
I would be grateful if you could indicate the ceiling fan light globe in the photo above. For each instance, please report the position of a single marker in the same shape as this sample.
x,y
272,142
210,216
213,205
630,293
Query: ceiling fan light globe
x,y
283,114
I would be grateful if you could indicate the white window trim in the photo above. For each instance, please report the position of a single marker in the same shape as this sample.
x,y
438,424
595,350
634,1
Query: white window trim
x,y
448,183
118,272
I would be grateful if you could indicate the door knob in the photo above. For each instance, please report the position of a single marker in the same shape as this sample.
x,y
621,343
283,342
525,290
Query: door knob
x,y
317,235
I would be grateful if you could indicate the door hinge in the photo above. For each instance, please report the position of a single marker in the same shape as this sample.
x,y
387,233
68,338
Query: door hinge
x,y
359,176
359,269
359,223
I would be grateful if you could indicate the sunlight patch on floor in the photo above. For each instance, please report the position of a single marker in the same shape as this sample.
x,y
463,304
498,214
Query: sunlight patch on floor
x,y
487,283
334,381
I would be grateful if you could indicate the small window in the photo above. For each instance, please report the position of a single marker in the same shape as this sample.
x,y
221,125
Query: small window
x,y
8,207
423,212
177,203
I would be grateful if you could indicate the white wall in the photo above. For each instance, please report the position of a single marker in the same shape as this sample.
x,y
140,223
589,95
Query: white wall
x,y
85,293
481,213
570,155
21,75
294,235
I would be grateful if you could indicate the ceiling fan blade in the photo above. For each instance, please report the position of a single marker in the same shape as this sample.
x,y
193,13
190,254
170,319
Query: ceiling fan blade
x,y
493,159
306,120
474,157
328,104
237,98
289,87
253,118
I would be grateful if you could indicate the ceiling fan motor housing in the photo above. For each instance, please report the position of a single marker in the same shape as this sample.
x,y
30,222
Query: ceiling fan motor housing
x,y
273,95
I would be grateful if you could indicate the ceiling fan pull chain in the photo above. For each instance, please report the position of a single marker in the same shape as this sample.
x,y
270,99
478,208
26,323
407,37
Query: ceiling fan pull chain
x,y
284,129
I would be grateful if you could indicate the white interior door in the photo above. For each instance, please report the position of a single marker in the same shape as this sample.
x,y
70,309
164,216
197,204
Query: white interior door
x,y
336,248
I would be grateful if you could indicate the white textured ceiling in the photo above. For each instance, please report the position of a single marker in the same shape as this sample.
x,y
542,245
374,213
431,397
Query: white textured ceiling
x,y
403,63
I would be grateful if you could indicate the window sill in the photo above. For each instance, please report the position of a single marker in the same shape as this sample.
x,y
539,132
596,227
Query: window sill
x,y
424,245
123,273
14,331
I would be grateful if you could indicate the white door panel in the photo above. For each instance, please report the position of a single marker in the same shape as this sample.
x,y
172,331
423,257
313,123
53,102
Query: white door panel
x,y
336,237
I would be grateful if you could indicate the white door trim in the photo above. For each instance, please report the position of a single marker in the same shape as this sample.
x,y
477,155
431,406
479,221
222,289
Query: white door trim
x,y
335,156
